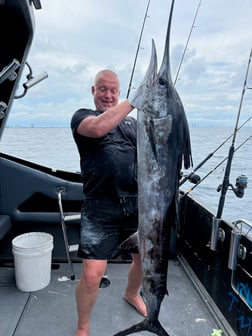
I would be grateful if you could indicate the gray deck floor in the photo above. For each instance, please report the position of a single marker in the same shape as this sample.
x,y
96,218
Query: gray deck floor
x,y
52,311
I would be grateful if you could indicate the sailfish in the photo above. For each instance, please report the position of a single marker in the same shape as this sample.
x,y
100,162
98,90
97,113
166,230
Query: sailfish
x,y
163,144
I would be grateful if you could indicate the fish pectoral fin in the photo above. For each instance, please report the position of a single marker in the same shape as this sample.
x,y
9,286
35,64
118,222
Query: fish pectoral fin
x,y
131,242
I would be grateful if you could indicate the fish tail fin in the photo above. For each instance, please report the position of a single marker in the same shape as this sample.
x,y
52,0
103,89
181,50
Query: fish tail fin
x,y
154,327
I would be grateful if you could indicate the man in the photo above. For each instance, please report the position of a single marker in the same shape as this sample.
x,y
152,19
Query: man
x,y
106,141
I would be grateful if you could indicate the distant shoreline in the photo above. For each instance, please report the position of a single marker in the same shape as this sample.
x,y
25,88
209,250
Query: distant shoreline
x,y
190,126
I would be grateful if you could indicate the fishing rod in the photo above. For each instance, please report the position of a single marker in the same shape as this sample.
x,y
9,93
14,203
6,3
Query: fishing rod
x,y
192,177
187,42
140,39
224,187
138,47
214,169
225,184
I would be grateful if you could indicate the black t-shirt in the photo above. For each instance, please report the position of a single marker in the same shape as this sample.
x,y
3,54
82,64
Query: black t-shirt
x,y
108,164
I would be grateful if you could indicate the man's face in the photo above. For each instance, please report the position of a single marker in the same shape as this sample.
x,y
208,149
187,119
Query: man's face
x,y
106,92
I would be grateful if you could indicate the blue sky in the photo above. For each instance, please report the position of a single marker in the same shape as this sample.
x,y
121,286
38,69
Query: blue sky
x,y
73,40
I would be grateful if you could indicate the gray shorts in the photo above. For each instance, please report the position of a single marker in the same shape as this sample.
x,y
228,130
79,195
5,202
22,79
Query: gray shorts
x,y
105,224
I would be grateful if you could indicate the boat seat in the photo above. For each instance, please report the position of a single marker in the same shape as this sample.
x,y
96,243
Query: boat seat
x,y
5,225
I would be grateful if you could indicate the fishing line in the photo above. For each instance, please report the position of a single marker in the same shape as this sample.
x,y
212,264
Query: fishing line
x,y
215,168
249,230
226,183
138,47
195,178
187,42
216,220
191,177
140,39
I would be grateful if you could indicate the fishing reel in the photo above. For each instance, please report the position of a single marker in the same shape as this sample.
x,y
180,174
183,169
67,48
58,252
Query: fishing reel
x,y
240,186
192,177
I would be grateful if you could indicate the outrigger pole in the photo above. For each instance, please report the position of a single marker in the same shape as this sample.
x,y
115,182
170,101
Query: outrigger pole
x,y
226,184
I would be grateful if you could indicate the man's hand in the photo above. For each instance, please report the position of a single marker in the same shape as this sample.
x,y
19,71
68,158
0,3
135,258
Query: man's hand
x,y
140,97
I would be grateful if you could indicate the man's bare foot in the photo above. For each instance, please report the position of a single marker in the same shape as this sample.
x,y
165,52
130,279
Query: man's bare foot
x,y
137,303
80,333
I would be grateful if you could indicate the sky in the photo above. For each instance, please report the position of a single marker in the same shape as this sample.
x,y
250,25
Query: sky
x,y
75,39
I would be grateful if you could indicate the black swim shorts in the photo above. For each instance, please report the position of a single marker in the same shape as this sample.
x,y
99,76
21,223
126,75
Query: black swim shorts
x,y
105,224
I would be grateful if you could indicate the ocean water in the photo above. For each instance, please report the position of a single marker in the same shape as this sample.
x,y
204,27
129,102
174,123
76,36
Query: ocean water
x,y
54,147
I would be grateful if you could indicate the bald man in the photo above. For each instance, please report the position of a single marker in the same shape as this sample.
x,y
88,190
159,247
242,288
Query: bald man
x,y
106,141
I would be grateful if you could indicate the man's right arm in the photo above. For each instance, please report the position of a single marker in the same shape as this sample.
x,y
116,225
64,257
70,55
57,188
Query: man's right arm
x,y
98,126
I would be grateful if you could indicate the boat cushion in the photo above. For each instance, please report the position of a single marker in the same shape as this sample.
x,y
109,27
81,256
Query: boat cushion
x,y
5,225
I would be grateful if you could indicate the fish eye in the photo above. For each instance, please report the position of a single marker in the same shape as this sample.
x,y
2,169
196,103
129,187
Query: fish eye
x,y
162,81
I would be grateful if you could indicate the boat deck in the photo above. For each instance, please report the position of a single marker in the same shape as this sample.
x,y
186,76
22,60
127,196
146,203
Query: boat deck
x,y
51,311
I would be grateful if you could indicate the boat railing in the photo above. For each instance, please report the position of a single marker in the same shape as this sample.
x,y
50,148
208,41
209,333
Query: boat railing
x,y
241,277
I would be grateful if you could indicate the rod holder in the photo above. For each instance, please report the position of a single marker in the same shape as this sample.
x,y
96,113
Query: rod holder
x,y
234,249
215,233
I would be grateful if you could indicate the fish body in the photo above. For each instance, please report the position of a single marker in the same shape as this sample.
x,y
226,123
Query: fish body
x,y
163,143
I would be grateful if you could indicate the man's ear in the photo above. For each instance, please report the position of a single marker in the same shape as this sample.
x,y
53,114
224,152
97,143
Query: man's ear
x,y
92,89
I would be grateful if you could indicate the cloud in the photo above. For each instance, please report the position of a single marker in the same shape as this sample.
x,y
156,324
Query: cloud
x,y
73,41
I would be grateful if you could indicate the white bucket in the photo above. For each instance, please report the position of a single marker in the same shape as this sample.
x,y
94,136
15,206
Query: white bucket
x,y
32,260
